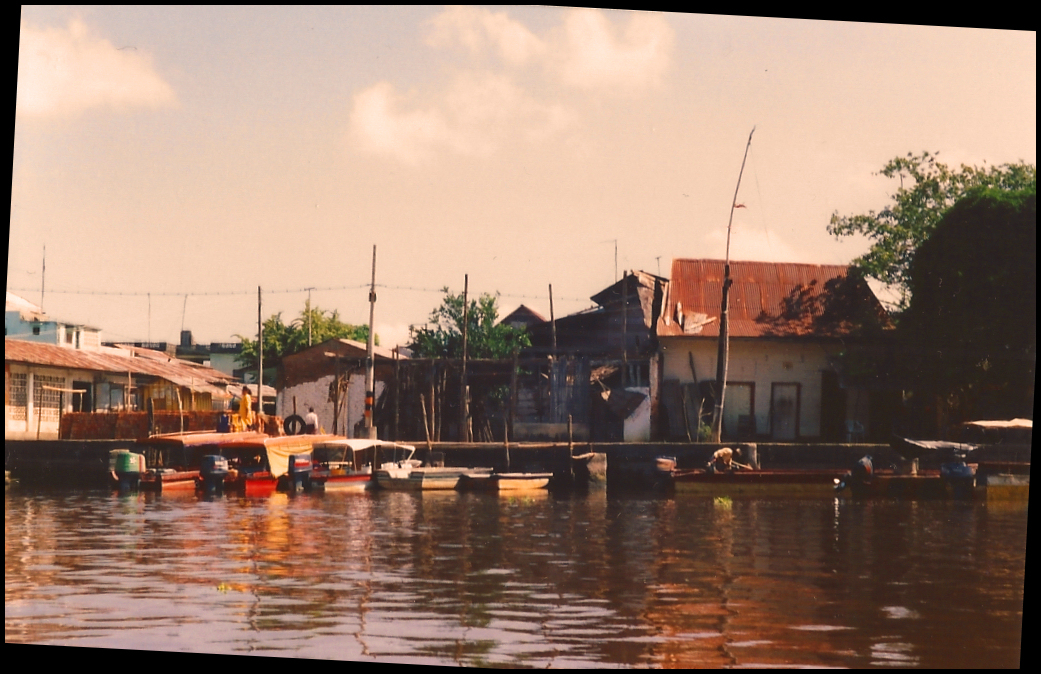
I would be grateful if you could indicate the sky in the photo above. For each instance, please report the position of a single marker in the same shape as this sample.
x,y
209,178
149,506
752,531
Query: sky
x,y
170,161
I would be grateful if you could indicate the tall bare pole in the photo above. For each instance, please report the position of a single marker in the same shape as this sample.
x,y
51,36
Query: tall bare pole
x,y
370,362
43,276
260,356
464,408
552,321
724,328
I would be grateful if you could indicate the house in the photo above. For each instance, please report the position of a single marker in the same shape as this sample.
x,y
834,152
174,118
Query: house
x,y
27,321
601,374
522,318
43,381
307,379
790,326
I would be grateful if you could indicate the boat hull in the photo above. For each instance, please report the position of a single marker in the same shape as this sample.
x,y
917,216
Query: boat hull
x,y
773,483
423,479
499,482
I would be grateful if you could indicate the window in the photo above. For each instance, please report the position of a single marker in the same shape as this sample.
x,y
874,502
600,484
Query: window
x,y
47,400
19,400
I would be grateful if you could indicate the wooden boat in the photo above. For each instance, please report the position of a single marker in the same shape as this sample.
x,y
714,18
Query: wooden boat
x,y
785,482
175,458
481,481
343,464
955,478
262,465
408,476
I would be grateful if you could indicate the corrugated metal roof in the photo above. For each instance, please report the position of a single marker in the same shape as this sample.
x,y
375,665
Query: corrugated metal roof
x,y
181,372
767,299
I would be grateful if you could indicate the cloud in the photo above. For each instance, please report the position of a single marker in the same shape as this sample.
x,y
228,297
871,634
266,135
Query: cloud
x,y
483,107
65,71
481,30
594,54
474,117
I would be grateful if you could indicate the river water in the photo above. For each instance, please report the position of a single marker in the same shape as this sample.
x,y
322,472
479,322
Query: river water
x,y
534,580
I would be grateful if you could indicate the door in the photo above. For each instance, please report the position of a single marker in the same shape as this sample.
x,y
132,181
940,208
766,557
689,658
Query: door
x,y
82,398
739,411
784,411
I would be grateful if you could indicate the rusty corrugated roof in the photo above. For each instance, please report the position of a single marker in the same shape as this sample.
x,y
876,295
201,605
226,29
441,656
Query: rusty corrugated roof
x,y
181,372
767,299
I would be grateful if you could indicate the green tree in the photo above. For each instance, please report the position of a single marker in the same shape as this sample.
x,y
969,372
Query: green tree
x,y
281,339
927,189
971,324
442,337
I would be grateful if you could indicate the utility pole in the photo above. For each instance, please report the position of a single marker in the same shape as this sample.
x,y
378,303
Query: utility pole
x,y
723,356
260,358
370,363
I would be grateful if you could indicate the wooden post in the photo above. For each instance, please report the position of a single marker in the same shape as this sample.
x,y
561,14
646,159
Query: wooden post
x,y
513,389
397,392
464,412
426,426
506,443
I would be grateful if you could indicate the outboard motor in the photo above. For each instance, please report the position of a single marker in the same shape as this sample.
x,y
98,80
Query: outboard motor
x,y
299,476
213,472
128,469
858,477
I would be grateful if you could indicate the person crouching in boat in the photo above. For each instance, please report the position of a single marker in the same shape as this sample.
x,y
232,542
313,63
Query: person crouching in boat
x,y
723,460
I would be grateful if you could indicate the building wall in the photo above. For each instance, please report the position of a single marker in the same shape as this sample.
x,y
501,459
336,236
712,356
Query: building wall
x,y
316,394
50,332
30,409
765,363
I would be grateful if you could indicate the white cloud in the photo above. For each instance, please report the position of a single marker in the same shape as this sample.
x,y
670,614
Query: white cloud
x,y
64,71
480,30
595,55
475,116
481,110
751,245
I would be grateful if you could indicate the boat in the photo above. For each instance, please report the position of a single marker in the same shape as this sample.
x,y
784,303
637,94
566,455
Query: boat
x,y
959,476
410,475
482,481
344,464
263,465
175,459
782,482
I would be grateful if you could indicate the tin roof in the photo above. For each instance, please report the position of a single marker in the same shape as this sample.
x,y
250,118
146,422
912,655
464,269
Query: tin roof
x,y
768,299
198,378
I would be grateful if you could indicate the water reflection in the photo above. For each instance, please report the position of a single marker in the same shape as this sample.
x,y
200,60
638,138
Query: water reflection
x,y
521,580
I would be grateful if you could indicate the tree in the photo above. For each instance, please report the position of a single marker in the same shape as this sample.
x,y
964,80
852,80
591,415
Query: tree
x,y
971,327
927,189
443,336
282,340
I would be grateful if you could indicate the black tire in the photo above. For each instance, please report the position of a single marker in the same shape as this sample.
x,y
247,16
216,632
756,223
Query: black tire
x,y
293,425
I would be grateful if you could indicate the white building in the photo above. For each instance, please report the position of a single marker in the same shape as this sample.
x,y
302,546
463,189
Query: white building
x,y
789,325
25,320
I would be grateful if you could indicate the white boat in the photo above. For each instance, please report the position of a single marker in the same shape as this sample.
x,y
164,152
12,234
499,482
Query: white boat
x,y
408,476
346,463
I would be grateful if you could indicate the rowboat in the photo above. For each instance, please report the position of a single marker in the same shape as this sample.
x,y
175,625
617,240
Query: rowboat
x,y
406,476
481,481
346,464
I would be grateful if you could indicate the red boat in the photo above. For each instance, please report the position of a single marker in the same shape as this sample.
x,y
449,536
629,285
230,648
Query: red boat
x,y
260,466
172,460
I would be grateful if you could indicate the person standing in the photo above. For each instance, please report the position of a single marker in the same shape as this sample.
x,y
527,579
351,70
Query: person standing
x,y
246,409
311,422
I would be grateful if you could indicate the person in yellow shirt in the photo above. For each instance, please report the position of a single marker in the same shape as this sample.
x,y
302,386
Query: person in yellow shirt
x,y
246,409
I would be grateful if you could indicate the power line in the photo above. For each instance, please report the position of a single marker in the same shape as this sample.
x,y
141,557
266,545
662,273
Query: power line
x,y
230,293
